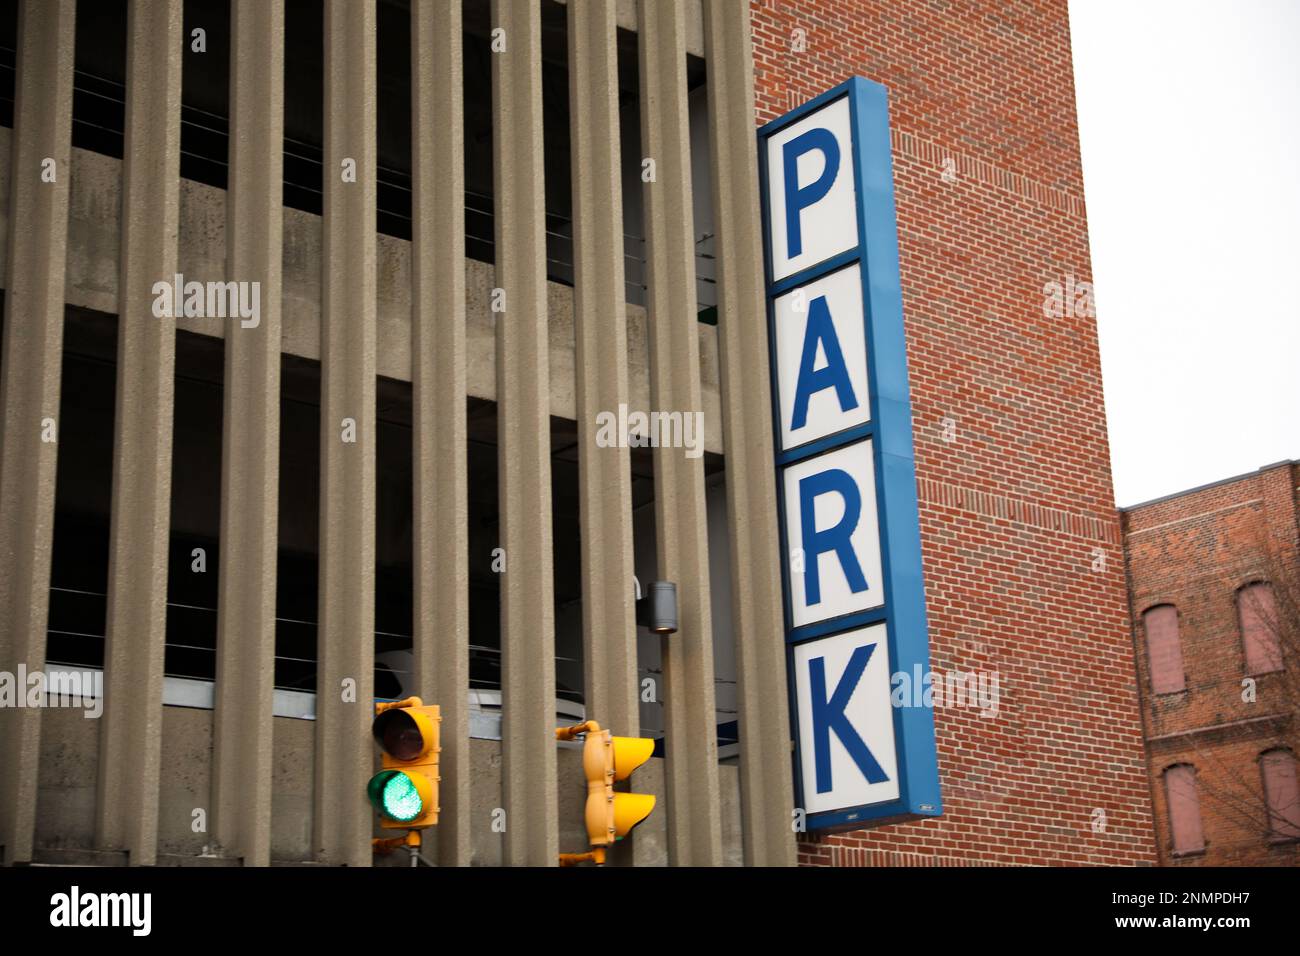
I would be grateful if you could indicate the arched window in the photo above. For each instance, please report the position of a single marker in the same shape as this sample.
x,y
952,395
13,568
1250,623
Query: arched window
x,y
1164,652
1281,794
1184,809
1257,617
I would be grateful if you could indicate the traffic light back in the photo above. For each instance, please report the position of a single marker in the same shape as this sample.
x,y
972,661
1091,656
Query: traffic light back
x,y
611,815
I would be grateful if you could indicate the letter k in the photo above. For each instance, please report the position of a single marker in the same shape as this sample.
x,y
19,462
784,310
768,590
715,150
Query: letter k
x,y
828,715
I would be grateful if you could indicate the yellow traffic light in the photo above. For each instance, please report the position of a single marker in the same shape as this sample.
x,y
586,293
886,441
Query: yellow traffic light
x,y
405,791
610,815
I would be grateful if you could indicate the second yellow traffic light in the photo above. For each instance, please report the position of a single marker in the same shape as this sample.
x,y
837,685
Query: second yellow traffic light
x,y
606,759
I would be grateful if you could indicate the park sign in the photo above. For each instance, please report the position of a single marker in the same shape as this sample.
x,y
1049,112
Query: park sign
x,y
845,475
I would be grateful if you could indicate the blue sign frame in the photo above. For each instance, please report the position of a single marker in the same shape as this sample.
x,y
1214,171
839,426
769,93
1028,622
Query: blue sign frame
x,y
890,431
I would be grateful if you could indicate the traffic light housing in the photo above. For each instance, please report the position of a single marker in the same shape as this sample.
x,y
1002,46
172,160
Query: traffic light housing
x,y
606,759
405,791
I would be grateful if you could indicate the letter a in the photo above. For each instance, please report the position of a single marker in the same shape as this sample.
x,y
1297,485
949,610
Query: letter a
x,y
821,328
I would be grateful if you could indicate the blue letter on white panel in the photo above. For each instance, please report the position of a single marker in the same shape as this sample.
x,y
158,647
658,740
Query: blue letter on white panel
x,y
833,529
848,752
828,715
797,198
834,374
821,358
838,537
811,194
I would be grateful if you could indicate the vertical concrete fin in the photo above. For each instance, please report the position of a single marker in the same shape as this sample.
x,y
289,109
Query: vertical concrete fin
x,y
126,813
29,386
523,435
250,438
765,773
346,630
680,515
600,318
438,371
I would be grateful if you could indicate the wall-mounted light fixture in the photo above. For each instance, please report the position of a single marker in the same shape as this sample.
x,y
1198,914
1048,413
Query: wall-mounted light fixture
x,y
658,609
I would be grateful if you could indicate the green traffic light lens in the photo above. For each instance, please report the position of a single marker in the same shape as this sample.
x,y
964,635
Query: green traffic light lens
x,y
400,799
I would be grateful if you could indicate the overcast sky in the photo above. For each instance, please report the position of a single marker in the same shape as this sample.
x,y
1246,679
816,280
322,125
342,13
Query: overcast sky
x,y
1189,117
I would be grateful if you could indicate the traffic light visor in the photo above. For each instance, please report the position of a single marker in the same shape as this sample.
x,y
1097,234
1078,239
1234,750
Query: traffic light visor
x,y
630,753
404,733
629,810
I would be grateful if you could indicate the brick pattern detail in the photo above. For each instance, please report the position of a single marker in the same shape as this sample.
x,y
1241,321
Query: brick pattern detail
x,y
832,854
1013,508
1195,551
964,167
1017,511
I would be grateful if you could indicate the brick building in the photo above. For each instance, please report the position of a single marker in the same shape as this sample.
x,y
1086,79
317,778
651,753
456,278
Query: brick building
x,y
1213,582
1024,573
212,663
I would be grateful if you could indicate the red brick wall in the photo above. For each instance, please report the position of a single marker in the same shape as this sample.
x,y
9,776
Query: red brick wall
x,y
1194,551
1018,508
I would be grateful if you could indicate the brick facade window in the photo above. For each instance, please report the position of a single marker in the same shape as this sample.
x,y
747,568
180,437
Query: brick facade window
x,y
1164,651
1184,809
1281,793
1257,618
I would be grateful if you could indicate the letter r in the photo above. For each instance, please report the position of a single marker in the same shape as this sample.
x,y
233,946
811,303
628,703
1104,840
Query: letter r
x,y
836,538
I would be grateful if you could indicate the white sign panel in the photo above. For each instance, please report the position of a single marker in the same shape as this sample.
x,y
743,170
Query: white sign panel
x,y
846,723
812,201
833,534
821,357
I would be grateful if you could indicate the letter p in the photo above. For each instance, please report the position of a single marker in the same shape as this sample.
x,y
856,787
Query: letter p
x,y
797,199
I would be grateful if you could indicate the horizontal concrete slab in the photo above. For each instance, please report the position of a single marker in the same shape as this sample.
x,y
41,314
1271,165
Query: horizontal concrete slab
x,y
93,237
